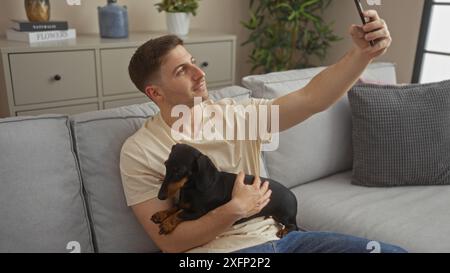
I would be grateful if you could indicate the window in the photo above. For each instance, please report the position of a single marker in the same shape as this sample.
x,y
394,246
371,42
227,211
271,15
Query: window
x,y
433,52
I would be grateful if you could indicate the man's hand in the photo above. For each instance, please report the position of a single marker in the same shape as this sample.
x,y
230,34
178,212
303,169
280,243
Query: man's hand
x,y
249,200
376,31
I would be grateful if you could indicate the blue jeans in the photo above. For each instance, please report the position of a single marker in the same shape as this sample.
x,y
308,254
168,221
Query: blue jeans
x,y
322,242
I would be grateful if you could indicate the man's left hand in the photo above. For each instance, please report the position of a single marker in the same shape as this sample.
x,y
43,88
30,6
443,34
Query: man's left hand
x,y
376,31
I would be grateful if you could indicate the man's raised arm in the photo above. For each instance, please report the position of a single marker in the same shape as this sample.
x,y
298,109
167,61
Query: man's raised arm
x,y
332,83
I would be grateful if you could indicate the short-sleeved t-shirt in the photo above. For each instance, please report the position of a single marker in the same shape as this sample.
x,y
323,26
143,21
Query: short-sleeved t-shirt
x,y
142,167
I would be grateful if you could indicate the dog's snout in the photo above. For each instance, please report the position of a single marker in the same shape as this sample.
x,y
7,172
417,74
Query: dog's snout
x,y
162,195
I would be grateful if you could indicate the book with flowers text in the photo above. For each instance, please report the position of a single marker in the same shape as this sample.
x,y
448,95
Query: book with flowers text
x,y
40,36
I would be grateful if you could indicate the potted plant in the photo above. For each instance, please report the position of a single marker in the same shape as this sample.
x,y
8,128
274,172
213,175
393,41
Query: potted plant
x,y
287,34
178,14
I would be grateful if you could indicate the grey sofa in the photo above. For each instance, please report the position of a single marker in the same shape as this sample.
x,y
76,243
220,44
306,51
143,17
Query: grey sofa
x,y
60,187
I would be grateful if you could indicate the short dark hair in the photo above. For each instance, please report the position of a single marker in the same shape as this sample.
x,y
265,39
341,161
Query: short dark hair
x,y
146,61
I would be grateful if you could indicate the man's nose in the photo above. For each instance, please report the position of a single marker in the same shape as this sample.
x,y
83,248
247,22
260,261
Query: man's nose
x,y
198,73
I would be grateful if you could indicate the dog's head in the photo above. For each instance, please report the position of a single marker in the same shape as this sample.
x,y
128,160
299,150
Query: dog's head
x,y
186,165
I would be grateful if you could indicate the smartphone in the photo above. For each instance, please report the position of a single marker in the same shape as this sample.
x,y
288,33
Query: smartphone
x,y
360,9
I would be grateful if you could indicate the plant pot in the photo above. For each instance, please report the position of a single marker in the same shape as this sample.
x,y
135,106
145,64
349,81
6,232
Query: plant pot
x,y
178,23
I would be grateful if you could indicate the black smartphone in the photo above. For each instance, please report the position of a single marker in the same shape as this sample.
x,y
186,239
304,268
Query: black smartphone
x,y
360,9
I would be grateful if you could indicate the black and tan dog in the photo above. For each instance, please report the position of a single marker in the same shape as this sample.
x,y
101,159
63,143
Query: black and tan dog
x,y
203,188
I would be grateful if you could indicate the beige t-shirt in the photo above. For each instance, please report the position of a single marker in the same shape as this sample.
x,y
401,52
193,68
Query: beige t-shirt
x,y
142,168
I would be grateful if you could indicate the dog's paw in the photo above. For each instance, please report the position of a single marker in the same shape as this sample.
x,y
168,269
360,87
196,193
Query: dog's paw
x,y
159,217
166,227
282,232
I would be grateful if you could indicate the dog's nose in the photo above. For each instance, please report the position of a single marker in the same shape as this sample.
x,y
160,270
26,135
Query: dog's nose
x,y
162,195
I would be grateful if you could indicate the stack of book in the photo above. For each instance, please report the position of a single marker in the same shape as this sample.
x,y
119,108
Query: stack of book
x,y
33,32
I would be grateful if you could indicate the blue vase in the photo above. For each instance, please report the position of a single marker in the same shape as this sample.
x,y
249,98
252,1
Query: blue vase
x,y
113,20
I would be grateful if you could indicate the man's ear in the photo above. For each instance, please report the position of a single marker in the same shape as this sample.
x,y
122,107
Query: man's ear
x,y
205,174
153,92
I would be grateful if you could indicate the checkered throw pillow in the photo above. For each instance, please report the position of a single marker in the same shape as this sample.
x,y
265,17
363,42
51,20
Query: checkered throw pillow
x,y
401,134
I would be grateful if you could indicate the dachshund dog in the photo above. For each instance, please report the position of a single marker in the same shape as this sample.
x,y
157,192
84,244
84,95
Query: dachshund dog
x,y
202,188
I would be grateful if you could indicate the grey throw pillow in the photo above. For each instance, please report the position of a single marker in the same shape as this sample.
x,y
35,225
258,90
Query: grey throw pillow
x,y
401,134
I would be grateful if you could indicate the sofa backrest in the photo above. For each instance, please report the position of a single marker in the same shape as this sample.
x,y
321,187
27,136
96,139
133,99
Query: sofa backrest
x,y
42,207
99,137
273,85
320,146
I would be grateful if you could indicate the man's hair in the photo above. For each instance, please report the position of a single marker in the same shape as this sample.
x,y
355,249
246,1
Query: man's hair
x,y
146,61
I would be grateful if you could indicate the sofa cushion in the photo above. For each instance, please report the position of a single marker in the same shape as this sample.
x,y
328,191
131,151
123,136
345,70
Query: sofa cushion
x,y
41,202
401,134
99,138
415,218
319,146
316,148
277,84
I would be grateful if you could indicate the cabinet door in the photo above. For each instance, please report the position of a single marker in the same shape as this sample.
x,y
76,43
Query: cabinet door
x,y
114,63
53,76
216,60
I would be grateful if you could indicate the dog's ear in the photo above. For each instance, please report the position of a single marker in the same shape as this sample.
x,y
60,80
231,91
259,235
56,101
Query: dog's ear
x,y
204,173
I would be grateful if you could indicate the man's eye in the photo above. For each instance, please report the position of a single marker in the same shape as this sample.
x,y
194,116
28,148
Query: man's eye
x,y
180,71
194,61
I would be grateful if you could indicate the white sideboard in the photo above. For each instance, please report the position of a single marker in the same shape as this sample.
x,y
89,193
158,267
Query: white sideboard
x,y
90,73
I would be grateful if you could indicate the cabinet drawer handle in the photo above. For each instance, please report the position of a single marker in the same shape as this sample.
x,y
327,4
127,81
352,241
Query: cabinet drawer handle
x,y
204,65
57,77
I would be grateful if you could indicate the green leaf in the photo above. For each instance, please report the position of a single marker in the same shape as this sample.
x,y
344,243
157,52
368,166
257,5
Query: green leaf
x,y
188,6
285,33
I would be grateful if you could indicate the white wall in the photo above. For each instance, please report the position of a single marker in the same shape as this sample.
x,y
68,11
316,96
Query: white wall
x,y
403,17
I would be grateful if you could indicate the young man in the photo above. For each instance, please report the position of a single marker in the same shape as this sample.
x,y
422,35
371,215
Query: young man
x,y
165,71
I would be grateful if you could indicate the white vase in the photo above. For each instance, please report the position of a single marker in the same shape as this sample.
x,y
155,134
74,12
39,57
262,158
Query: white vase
x,y
178,23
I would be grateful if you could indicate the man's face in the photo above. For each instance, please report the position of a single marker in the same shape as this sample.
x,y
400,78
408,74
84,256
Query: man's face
x,y
181,79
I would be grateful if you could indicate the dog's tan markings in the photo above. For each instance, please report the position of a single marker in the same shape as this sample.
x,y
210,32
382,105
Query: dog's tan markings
x,y
168,225
160,216
282,232
174,187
